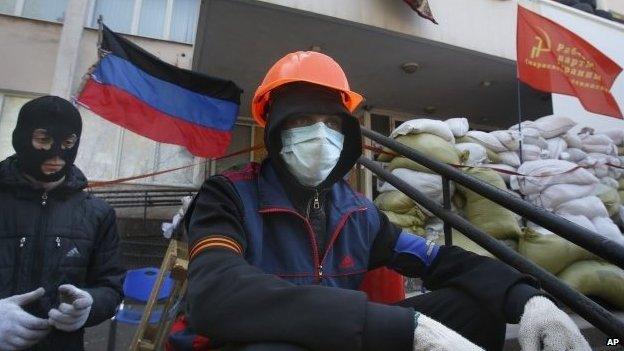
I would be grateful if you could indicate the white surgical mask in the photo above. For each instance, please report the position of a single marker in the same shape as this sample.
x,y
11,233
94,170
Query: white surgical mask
x,y
311,152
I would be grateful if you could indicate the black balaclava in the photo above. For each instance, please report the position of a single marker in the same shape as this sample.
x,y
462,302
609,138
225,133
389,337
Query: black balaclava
x,y
60,119
300,99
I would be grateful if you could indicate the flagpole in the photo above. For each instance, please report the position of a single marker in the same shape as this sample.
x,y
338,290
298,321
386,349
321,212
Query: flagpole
x,y
520,120
87,75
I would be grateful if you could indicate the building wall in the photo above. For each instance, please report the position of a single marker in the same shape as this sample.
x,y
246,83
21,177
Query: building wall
x,y
107,151
486,26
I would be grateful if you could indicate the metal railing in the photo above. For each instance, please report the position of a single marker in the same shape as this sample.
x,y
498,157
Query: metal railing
x,y
144,198
602,247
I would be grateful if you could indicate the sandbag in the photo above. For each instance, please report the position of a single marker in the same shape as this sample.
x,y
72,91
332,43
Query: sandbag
x,y
620,150
573,155
500,168
428,144
616,134
424,125
485,214
596,278
610,149
595,139
553,126
573,140
610,182
394,201
589,206
531,152
555,147
387,155
509,138
458,126
544,173
477,153
555,195
551,252
608,229
491,154
486,139
609,197
510,158
427,183
401,220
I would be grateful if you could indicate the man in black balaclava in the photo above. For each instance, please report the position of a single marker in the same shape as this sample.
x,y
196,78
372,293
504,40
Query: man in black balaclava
x,y
59,263
278,250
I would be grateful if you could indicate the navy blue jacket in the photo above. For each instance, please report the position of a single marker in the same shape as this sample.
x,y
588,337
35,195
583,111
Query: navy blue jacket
x,y
257,274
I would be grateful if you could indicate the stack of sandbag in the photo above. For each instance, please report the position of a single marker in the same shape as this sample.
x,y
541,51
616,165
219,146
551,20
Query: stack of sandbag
x,y
430,137
402,211
484,214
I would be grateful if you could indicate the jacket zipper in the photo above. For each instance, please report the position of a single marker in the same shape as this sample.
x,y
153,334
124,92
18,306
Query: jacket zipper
x,y
341,223
37,248
318,263
18,255
318,269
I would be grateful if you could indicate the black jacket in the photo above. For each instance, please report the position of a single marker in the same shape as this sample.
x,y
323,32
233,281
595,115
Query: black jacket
x,y
231,301
65,236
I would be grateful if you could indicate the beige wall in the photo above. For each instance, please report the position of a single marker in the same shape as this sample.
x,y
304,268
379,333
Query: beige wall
x,y
27,61
482,25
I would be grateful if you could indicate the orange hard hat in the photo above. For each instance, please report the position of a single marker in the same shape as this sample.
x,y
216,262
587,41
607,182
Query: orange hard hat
x,y
303,66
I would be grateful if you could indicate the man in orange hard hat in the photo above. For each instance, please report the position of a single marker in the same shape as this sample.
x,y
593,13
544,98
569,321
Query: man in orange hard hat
x,y
278,249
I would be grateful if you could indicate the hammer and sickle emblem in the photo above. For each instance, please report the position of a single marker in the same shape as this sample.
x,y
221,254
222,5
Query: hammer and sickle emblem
x,y
543,44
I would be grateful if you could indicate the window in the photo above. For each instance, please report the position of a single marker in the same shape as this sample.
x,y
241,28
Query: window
x,y
152,20
49,10
7,7
117,14
184,20
9,109
174,20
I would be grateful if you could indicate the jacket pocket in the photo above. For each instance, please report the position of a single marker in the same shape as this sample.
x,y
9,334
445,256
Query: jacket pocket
x,y
12,253
67,262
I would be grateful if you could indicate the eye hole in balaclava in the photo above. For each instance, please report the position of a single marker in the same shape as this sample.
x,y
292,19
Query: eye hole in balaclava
x,y
48,129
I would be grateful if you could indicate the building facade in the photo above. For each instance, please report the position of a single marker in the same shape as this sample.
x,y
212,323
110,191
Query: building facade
x,y
464,67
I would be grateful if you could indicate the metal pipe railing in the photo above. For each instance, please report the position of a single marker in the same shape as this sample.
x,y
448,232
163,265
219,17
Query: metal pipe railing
x,y
592,242
585,307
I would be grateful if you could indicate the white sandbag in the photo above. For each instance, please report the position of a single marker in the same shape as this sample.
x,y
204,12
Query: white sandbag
x,y
544,173
610,182
458,126
589,206
531,153
525,125
424,125
573,140
477,154
427,183
536,141
605,227
501,167
509,138
555,195
596,139
616,134
510,158
573,155
555,147
486,139
609,149
553,126
582,221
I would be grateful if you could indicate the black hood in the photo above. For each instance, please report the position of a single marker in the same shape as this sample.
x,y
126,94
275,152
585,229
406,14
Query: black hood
x,y
304,99
60,119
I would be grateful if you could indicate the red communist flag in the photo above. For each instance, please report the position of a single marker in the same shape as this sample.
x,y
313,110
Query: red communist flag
x,y
552,58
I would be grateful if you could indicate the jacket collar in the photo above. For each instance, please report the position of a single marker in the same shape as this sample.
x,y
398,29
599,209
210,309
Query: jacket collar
x,y
273,195
11,178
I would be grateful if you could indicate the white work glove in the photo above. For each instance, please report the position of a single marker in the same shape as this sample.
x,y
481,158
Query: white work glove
x,y
18,328
431,335
545,327
74,309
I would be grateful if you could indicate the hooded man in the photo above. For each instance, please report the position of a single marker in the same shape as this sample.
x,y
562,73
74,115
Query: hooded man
x,y
59,263
278,250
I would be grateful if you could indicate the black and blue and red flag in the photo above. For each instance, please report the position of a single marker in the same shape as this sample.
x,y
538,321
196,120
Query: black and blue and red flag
x,y
136,90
